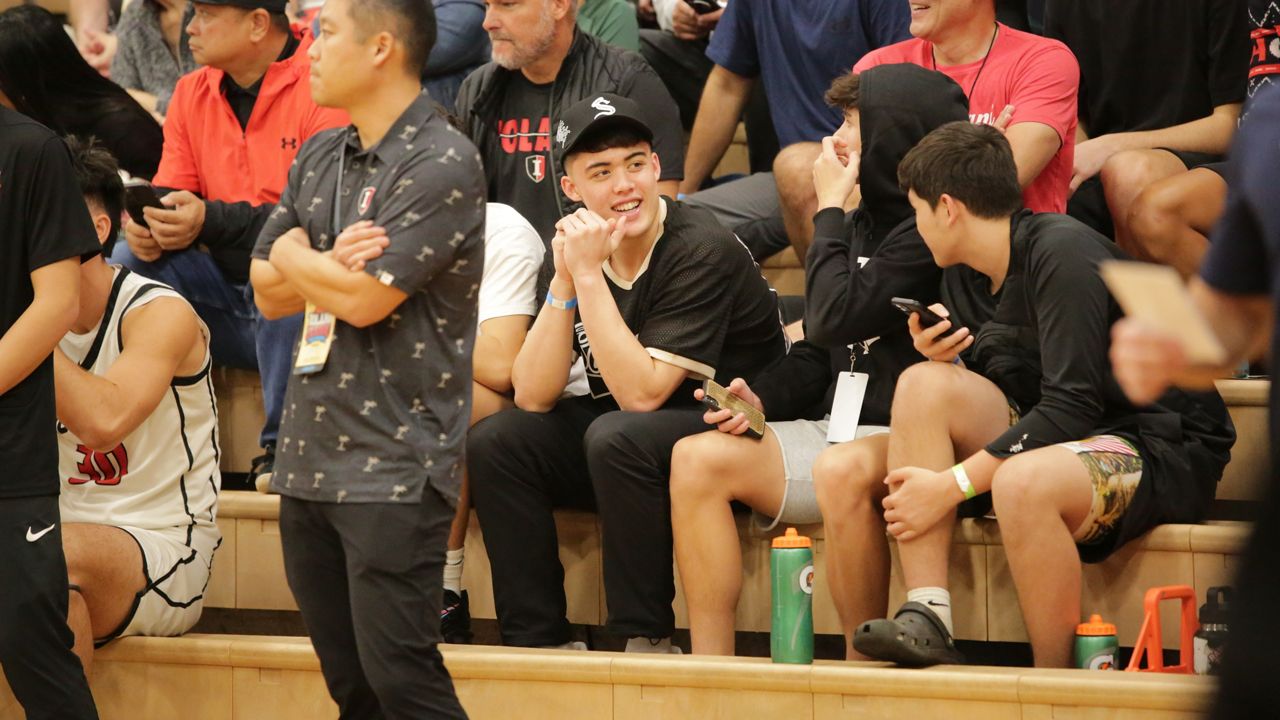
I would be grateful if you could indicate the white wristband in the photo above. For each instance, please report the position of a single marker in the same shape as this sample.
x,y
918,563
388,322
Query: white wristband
x,y
962,479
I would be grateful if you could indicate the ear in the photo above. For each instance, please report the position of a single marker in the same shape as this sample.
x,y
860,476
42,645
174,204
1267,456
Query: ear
x,y
383,47
569,188
560,8
261,20
657,164
102,226
952,208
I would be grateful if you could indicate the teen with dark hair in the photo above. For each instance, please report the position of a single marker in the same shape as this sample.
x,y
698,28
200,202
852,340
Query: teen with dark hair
x,y
1034,416
43,76
137,452
46,234
369,461
654,296
858,262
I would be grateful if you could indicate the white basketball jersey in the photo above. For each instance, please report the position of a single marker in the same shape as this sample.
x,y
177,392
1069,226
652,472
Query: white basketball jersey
x,y
164,475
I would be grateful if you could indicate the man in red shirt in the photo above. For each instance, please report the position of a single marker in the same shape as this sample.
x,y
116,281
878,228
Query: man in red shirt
x,y
233,129
1002,70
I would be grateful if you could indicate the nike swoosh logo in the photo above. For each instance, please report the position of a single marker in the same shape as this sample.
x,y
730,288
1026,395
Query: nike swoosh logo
x,y
931,603
34,536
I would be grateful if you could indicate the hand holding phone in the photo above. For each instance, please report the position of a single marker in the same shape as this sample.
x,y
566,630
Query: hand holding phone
x,y
139,194
743,413
704,7
928,325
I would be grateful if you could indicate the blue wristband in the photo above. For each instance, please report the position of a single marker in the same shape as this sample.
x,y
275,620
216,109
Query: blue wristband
x,y
561,304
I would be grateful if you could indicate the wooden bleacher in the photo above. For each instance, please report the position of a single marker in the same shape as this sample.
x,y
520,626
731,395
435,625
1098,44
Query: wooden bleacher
x,y
227,677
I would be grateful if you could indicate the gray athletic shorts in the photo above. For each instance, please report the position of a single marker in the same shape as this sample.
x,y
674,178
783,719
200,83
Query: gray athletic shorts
x,y
802,441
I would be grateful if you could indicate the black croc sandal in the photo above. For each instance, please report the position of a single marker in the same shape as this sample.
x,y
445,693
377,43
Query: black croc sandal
x,y
915,637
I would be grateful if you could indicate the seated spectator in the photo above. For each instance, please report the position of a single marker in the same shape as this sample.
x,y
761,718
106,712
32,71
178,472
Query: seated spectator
x,y
43,77
220,177
794,51
152,52
1170,219
541,65
1074,470
1022,82
655,296
513,255
461,46
612,22
136,443
1142,121
857,263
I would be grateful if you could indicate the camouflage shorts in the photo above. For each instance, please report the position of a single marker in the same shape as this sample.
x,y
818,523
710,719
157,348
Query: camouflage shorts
x,y
1115,469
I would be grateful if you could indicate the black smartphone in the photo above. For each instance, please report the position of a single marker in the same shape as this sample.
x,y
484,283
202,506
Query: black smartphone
x,y
139,194
716,397
704,7
928,318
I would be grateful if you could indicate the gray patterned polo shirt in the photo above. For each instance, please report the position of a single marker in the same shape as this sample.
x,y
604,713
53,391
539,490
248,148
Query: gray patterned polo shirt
x,y
388,413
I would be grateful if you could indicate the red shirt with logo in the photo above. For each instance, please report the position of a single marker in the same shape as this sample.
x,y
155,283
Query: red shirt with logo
x,y
207,152
1038,76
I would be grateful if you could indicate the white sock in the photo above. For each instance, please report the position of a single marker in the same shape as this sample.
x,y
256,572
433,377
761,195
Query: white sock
x,y
936,599
453,570
571,645
649,645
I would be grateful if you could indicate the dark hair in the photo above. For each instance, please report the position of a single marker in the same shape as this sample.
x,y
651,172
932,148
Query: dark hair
x,y
844,93
971,163
99,177
608,137
46,79
412,22
280,22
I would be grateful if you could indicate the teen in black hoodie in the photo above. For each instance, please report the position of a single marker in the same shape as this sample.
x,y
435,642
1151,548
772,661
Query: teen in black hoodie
x,y
855,265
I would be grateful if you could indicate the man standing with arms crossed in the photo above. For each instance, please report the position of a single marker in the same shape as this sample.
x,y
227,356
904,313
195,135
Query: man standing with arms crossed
x,y
376,410
46,233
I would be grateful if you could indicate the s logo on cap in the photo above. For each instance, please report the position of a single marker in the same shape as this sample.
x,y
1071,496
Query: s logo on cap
x,y
603,106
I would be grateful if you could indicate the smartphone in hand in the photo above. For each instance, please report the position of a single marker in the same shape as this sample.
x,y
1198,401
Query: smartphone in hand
x,y
928,318
717,397
139,194
704,7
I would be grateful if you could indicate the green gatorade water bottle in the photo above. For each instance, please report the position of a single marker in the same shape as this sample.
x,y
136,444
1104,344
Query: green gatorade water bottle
x,y
1096,645
791,637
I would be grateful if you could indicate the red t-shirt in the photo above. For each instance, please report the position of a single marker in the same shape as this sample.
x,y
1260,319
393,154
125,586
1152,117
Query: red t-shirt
x,y
1040,77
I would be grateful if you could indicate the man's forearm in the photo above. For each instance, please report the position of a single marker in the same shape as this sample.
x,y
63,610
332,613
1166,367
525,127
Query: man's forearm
x,y
491,364
541,368
1210,134
321,280
88,404
626,367
37,331
723,100
273,295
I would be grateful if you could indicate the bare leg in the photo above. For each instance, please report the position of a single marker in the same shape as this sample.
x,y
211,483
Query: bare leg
x,y
793,172
106,564
1171,219
707,472
1124,176
1040,497
941,412
484,402
849,480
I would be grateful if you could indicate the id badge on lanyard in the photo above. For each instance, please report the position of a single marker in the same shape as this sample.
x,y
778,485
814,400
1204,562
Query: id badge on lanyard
x,y
846,407
317,324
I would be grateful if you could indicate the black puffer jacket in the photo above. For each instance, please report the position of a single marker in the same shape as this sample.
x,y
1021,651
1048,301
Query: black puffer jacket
x,y
858,262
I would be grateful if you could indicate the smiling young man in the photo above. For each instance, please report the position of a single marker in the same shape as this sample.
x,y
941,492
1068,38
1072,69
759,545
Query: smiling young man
x,y
369,463
1033,416
654,296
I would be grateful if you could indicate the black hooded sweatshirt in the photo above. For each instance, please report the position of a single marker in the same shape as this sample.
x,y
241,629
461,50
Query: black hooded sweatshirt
x,y
859,261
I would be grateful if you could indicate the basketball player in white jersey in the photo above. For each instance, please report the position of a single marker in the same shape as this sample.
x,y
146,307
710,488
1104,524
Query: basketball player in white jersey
x,y
137,445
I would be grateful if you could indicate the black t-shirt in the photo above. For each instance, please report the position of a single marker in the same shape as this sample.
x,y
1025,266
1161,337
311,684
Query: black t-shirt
x,y
700,303
44,221
518,162
1264,36
1152,64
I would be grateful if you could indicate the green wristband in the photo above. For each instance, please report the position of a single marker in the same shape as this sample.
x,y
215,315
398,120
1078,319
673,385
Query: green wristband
x,y
962,479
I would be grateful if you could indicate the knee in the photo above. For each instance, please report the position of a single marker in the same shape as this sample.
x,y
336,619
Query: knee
x,y
1155,211
697,467
1129,171
1018,488
793,171
609,437
846,478
926,385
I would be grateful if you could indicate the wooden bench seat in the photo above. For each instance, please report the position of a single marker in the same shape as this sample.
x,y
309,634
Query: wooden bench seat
x,y
228,677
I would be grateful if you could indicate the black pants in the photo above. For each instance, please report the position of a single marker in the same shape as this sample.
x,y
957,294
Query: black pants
x,y
35,642
522,465
367,578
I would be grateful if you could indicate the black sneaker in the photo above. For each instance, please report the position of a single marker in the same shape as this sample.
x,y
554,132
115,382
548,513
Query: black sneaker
x,y
455,618
260,470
